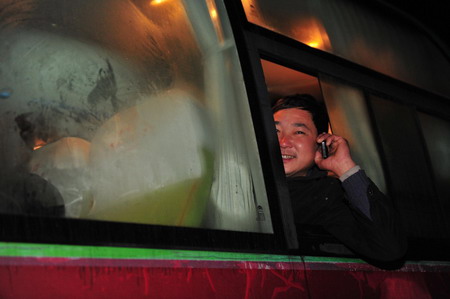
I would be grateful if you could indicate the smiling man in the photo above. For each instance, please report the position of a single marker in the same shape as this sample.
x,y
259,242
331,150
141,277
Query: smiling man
x,y
350,207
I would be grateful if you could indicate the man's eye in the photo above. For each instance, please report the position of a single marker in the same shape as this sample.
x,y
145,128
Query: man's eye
x,y
299,132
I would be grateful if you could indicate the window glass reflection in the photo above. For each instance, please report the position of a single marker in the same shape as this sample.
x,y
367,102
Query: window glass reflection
x,y
368,35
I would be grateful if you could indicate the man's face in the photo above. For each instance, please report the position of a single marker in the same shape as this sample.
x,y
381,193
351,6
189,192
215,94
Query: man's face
x,y
297,137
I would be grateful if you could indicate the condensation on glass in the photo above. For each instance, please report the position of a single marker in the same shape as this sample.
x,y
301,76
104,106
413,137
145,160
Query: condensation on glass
x,y
129,111
365,36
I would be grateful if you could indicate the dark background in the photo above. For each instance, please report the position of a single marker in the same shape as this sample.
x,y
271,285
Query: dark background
x,y
433,14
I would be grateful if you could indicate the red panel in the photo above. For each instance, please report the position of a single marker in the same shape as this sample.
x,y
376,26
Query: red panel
x,y
104,282
60,281
380,284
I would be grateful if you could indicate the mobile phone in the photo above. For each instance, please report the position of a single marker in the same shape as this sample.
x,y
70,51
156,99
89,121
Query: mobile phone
x,y
324,149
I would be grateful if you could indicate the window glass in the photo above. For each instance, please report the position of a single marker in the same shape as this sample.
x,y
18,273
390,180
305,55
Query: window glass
x,y
409,174
436,132
369,36
130,111
350,119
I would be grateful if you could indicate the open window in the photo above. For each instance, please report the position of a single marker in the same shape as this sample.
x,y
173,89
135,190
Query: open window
x,y
346,107
349,118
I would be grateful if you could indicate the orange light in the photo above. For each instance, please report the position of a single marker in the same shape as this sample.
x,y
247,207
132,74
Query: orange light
x,y
314,44
311,32
38,143
213,13
156,2
215,19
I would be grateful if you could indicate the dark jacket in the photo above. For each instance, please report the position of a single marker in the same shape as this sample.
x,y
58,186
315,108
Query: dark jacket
x,y
321,200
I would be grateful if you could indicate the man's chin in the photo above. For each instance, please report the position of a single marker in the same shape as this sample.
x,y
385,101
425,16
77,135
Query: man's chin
x,y
288,169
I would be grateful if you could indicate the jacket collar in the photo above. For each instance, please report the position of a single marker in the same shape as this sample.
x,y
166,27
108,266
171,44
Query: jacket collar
x,y
314,173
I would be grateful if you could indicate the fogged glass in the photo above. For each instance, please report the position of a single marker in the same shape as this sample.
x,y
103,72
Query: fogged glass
x,y
350,119
370,37
127,111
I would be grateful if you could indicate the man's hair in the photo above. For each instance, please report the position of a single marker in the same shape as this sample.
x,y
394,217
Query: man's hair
x,y
308,103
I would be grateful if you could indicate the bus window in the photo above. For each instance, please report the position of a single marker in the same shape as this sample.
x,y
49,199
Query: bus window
x,y
349,118
410,177
346,108
127,111
324,202
367,33
436,132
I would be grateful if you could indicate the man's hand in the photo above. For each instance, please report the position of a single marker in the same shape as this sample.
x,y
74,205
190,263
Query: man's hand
x,y
339,160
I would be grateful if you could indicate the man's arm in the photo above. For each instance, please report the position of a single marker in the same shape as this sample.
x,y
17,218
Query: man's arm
x,y
356,183
374,228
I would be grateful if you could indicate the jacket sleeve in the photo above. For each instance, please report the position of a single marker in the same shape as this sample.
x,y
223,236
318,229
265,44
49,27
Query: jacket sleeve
x,y
355,187
374,232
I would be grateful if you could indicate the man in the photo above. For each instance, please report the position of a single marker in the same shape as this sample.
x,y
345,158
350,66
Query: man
x,y
351,208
